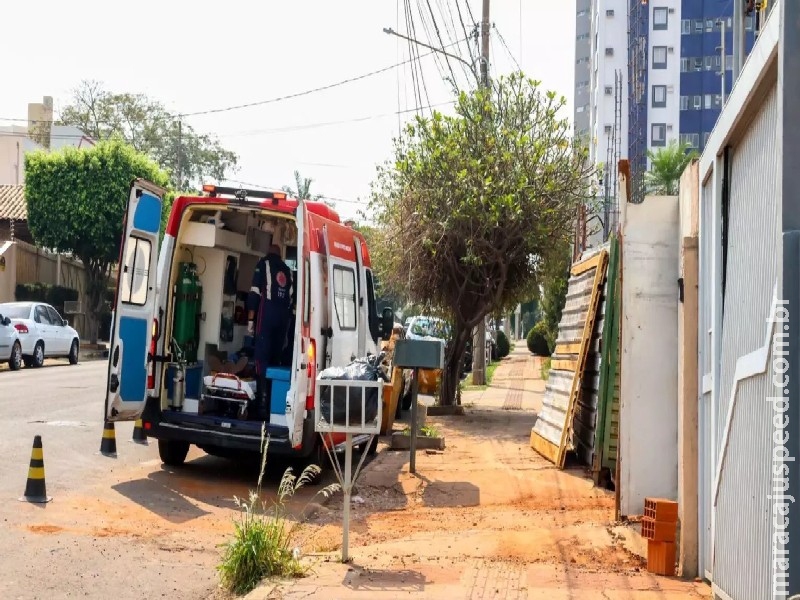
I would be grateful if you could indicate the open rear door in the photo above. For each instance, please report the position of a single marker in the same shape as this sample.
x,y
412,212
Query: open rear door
x,y
135,304
304,351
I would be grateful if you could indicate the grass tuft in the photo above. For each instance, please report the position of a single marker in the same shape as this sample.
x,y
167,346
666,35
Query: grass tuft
x,y
262,538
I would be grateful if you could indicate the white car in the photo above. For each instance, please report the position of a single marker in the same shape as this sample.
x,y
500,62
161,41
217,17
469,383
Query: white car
x,y
10,346
43,333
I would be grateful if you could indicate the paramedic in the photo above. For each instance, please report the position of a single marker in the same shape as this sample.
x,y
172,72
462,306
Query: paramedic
x,y
269,302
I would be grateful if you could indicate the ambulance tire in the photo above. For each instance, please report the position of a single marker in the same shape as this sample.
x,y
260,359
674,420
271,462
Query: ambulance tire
x,y
173,452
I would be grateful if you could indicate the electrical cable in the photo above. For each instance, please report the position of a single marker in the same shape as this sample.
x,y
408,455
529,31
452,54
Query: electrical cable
x,y
503,41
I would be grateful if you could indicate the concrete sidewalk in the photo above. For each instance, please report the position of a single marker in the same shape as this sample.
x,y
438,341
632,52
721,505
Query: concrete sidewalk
x,y
487,518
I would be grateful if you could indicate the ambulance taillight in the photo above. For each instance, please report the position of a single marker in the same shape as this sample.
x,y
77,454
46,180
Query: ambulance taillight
x,y
312,374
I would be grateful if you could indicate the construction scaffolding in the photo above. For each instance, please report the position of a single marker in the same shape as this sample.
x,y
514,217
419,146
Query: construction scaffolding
x,y
638,35
613,154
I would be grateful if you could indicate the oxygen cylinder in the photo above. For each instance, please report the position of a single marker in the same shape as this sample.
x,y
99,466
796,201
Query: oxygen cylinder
x,y
179,386
187,309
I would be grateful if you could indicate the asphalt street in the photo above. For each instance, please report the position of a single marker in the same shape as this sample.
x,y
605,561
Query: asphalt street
x,y
123,528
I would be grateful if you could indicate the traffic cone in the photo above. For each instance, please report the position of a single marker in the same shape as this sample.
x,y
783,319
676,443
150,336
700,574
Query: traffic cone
x,y
35,489
108,447
138,433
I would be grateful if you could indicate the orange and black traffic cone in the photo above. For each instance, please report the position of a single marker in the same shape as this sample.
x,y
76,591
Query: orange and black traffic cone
x,y
139,436
108,447
35,489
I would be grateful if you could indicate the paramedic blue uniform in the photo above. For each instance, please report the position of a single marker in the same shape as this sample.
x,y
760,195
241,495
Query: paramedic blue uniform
x,y
270,298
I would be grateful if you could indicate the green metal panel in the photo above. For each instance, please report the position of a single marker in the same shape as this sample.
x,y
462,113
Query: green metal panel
x,y
605,454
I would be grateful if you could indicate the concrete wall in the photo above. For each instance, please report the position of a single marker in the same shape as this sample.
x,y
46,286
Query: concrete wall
x,y
649,357
8,273
12,154
687,372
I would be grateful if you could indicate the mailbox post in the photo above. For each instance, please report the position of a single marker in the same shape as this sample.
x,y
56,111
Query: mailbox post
x,y
416,355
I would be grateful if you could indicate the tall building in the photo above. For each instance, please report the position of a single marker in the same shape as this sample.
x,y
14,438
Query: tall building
x,y
703,23
583,67
675,71
601,114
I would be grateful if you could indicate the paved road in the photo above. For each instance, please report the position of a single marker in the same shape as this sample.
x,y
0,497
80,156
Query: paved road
x,y
122,528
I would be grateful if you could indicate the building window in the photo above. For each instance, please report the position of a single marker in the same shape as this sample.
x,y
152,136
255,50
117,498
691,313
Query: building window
x,y
707,101
709,25
729,62
684,102
609,52
705,139
607,129
684,65
609,90
659,57
698,25
660,18
692,140
659,96
686,26
697,102
697,63
658,134
610,12
709,62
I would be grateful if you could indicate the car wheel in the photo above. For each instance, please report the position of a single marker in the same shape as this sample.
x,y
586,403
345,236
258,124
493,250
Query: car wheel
x,y
38,355
15,362
173,452
73,352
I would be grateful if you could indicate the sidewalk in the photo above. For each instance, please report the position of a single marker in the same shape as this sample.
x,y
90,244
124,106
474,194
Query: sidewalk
x,y
487,518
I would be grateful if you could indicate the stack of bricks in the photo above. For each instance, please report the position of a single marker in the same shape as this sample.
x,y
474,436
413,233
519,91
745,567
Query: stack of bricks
x,y
659,527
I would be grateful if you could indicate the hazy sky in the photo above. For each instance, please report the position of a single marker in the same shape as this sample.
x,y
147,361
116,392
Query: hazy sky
x,y
200,55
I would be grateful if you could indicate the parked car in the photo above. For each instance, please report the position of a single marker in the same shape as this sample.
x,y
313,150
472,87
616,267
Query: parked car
x,y
43,333
10,346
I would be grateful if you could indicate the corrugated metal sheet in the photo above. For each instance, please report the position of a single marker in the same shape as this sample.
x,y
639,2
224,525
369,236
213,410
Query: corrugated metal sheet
x,y
742,524
566,366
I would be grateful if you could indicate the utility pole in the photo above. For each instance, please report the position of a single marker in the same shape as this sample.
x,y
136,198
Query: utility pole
x,y
479,340
180,151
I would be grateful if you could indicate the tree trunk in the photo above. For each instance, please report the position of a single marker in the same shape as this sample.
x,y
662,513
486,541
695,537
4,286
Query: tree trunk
x,y
96,280
451,375
479,355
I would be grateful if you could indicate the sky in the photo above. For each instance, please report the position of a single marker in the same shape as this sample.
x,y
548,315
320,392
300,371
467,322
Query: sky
x,y
201,55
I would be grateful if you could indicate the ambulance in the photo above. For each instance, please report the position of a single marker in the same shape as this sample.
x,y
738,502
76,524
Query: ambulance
x,y
179,319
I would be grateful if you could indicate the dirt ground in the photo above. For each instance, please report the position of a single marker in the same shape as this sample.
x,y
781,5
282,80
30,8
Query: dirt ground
x,y
486,518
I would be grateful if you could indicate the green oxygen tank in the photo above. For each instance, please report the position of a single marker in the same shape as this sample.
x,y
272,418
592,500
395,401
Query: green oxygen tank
x,y
186,325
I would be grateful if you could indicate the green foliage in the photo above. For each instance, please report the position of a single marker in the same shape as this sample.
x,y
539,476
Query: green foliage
x,y
473,206
503,345
537,342
555,282
545,368
666,167
147,126
430,431
263,535
76,201
54,295
302,189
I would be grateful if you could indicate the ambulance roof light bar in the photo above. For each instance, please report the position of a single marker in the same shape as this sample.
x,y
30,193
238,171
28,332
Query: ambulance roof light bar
x,y
241,194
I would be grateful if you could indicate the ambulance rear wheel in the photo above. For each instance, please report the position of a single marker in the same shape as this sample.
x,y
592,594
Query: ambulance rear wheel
x,y
173,452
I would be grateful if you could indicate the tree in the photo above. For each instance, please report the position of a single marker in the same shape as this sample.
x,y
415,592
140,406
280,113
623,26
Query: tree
x,y
666,167
475,205
555,279
302,189
76,201
146,125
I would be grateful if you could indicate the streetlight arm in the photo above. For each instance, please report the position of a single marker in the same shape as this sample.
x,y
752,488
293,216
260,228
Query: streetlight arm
x,y
390,31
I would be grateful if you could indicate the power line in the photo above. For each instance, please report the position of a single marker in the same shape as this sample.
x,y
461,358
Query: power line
x,y
303,93
292,128
503,41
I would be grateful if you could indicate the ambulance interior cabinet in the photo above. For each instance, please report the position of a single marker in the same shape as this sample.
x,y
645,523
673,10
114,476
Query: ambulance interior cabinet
x,y
218,272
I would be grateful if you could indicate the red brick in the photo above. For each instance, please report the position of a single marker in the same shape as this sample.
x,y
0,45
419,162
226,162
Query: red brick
x,y
661,558
661,509
658,531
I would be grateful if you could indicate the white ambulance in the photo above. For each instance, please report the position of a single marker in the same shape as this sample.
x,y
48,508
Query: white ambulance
x,y
218,238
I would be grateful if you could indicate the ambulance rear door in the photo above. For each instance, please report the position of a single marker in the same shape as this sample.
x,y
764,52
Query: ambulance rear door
x,y
133,323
